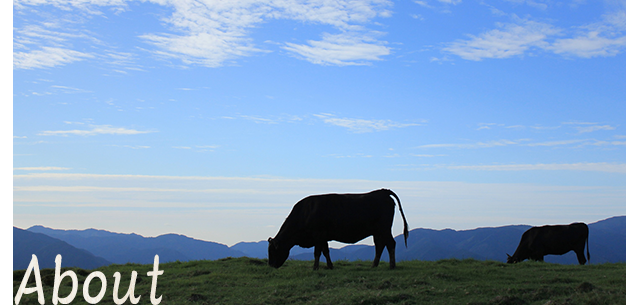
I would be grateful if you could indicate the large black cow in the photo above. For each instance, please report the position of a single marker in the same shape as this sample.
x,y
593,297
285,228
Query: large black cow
x,y
560,239
346,218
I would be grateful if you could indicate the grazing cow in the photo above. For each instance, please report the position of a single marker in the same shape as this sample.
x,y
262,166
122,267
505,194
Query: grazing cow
x,y
346,218
540,241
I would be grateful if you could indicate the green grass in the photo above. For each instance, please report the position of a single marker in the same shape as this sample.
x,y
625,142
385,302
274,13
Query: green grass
x,y
252,281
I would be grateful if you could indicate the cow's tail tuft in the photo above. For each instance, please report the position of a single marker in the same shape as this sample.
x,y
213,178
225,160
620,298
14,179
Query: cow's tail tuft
x,y
406,226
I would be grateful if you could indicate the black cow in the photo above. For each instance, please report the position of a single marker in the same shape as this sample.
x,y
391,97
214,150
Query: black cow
x,y
560,239
346,218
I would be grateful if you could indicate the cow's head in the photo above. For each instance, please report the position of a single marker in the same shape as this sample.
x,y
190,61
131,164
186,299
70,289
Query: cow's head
x,y
277,253
511,259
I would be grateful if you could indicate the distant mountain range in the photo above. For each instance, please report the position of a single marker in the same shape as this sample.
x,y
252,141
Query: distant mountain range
x,y
92,248
46,248
122,248
607,243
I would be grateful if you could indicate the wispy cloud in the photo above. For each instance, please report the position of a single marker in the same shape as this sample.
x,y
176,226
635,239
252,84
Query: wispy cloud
x,y
486,144
597,167
48,44
259,120
358,155
524,142
198,148
217,33
428,156
340,50
507,40
361,125
594,128
41,168
538,127
209,33
202,48
133,146
96,130
584,127
556,143
85,5
207,147
604,38
482,126
272,119
47,57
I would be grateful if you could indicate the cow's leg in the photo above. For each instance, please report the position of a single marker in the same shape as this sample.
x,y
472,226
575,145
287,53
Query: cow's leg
x,y
391,247
379,243
325,251
316,255
580,253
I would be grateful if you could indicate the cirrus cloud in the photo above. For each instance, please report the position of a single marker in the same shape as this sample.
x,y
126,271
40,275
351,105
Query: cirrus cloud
x,y
213,33
47,57
597,167
41,168
602,38
96,130
507,41
361,125
340,50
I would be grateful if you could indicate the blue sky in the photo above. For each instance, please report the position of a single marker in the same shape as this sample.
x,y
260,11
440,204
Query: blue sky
x,y
212,118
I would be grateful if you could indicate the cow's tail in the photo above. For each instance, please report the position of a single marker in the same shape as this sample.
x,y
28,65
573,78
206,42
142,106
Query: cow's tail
x,y
406,226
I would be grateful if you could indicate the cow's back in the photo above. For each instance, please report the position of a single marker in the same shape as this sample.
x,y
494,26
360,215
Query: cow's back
x,y
343,217
559,239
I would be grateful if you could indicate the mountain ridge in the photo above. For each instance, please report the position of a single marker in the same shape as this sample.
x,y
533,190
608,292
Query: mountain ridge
x,y
607,241
26,243
124,248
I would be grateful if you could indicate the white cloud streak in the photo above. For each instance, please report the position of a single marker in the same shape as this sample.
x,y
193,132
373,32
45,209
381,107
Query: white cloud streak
x,y
596,167
41,168
340,50
361,125
507,41
253,208
216,32
474,145
603,38
211,33
556,143
97,130
594,128
519,142
47,57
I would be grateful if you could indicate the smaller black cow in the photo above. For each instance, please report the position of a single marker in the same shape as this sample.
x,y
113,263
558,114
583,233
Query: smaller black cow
x,y
346,218
559,239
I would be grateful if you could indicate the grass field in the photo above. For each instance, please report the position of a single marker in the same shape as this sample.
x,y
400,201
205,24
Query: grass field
x,y
252,281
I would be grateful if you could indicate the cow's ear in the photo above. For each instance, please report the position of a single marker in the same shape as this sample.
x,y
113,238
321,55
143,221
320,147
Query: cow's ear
x,y
508,256
273,242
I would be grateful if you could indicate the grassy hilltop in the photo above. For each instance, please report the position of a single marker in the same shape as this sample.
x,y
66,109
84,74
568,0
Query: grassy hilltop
x,y
252,281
